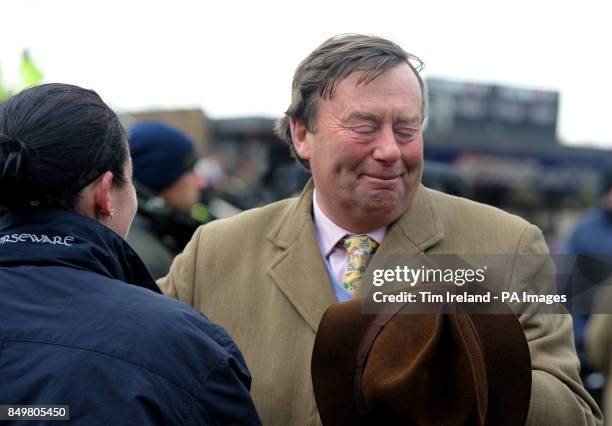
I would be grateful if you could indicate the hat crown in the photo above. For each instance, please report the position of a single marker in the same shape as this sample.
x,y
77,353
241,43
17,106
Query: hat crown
x,y
406,367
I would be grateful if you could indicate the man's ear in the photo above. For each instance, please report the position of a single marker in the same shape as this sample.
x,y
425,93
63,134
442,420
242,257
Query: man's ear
x,y
102,196
302,140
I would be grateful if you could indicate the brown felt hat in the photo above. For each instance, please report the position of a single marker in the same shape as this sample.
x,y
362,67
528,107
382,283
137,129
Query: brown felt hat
x,y
403,368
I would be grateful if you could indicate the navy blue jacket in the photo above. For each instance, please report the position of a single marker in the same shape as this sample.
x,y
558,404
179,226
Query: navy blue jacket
x,y
72,332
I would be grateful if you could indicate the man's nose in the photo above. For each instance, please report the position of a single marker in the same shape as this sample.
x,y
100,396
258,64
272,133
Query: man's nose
x,y
387,148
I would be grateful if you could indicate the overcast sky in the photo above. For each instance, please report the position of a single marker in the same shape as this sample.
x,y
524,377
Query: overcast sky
x,y
236,58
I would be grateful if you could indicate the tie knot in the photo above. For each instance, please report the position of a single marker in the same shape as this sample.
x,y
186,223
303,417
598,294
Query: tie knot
x,y
361,243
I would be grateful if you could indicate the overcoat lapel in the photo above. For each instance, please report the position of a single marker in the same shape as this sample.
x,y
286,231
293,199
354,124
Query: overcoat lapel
x,y
298,270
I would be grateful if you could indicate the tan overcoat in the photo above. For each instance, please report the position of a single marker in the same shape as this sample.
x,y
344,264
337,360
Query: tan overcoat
x,y
260,275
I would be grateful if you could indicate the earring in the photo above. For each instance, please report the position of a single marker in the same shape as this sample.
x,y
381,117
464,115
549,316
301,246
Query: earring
x,y
111,214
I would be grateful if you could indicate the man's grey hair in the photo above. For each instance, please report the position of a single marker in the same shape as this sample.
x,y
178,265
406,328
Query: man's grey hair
x,y
338,57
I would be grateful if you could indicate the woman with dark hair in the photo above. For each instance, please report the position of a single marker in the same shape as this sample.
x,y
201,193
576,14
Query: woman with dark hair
x,y
72,331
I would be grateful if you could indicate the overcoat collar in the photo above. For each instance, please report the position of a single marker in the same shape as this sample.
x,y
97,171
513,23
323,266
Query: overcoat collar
x,y
300,272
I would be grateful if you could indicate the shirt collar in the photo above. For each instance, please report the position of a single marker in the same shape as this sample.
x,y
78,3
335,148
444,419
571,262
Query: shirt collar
x,y
328,233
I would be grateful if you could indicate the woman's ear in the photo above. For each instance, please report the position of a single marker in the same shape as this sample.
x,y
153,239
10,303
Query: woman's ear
x,y
102,195
95,199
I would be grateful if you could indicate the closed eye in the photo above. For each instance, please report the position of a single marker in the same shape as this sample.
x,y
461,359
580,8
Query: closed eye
x,y
364,129
406,134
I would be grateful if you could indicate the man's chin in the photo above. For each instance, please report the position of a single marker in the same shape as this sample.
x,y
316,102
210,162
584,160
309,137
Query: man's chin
x,y
386,202
389,202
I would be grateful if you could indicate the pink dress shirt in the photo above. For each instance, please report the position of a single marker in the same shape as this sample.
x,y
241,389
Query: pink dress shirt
x,y
328,235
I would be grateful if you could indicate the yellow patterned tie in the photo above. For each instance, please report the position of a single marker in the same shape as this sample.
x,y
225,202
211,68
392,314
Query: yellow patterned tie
x,y
360,249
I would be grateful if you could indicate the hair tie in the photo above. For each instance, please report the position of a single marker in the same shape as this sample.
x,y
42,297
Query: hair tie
x,y
13,156
5,139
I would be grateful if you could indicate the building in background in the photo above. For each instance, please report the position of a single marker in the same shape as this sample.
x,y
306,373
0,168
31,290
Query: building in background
x,y
192,122
502,140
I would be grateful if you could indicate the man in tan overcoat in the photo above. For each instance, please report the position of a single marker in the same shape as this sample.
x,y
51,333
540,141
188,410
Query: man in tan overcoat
x,y
268,274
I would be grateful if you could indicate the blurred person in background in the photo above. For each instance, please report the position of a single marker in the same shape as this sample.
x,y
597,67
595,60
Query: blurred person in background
x,y
591,236
168,187
590,247
82,323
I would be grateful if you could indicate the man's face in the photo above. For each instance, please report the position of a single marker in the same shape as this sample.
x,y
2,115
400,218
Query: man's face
x,y
366,154
185,192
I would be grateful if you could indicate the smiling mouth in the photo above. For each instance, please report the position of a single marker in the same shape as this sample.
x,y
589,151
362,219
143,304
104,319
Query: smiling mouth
x,y
382,178
387,183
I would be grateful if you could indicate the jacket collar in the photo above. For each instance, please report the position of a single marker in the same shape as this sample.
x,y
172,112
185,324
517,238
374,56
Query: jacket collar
x,y
48,237
299,270
420,227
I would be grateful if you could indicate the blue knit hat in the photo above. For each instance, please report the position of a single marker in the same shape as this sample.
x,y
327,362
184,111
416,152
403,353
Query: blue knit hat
x,y
161,154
